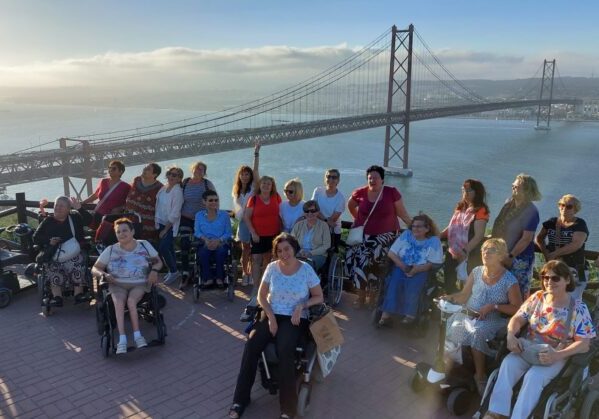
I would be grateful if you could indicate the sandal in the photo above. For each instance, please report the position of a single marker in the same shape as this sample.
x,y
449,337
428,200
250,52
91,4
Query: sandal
x,y
236,410
285,416
385,321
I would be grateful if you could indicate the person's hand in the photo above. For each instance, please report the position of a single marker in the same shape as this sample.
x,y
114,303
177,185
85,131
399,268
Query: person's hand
x,y
484,310
109,278
163,233
507,262
153,277
55,240
297,315
210,244
257,146
331,223
551,256
273,326
549,357
75,203
410,271
255,237
513,344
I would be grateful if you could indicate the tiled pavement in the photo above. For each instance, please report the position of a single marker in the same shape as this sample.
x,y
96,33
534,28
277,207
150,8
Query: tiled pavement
x,y
53,367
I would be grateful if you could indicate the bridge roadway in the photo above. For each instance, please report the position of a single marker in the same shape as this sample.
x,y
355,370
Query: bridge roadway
x,y
75,162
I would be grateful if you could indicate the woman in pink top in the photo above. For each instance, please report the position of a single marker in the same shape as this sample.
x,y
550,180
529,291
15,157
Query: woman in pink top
x,y
381,229
111,192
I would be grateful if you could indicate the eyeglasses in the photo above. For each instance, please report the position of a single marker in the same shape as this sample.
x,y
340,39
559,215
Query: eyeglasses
x,y
212,200
173,174
332,177
553,278
566,206
311,211
419,226
289,191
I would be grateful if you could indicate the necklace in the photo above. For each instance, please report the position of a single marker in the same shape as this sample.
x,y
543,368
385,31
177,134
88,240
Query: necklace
x,y
493,277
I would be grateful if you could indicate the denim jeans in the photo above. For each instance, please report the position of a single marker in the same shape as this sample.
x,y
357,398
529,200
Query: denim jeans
x,y
166,249
204,257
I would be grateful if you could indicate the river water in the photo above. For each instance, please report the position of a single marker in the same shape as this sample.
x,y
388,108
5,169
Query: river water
x,y
443,152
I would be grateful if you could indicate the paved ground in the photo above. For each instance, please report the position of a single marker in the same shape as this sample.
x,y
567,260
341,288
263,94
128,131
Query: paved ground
x,y
53,367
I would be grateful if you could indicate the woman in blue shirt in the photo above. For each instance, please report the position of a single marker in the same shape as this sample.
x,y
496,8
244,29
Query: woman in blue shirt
x,y
289,286
213,228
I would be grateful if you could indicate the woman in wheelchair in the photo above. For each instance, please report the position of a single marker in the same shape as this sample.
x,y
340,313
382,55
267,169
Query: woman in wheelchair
x,y
553,318
413,254
491,291
130,267
213,228
313,235
289,286
64,263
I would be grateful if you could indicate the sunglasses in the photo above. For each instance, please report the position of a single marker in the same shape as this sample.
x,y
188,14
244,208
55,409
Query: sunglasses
x,y
490,250
112,168
311,211
289,191
212,200
173,174
419,226
553,278
566,206
333,177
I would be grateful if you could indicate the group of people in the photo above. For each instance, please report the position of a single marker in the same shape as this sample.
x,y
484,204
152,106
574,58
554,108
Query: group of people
x,y
491,277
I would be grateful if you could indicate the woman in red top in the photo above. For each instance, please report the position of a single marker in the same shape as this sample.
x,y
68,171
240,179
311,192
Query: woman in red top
x,y
465,234
111,192
264,223
381,229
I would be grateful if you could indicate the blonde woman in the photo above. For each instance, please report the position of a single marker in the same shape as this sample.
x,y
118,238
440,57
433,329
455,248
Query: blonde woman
x,y
292,209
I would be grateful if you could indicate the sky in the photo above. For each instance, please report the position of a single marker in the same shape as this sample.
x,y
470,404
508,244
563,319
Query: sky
x,y
147,45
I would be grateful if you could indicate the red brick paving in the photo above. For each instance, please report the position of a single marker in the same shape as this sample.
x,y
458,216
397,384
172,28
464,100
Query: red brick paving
x,y
53,367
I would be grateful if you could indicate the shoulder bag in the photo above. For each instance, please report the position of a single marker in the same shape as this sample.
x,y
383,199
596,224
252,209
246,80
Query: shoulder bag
x,y
356,234
69,249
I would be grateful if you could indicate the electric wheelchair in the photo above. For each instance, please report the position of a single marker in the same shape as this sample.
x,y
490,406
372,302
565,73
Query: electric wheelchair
x,y
230,271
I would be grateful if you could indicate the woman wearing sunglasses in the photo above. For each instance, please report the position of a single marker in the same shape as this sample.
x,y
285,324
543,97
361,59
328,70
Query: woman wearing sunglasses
x,y
564,237
293,208
213,228
169,201
313,235
331,202
553,318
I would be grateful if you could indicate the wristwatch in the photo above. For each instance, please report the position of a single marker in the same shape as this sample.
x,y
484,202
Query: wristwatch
x,y
496,307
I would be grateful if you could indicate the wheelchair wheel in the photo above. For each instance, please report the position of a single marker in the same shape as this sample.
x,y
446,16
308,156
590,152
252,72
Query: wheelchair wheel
x,y
5,297
161,329
100,326
303,399
196,293
458,401
335,280
105,345
231,279
590,405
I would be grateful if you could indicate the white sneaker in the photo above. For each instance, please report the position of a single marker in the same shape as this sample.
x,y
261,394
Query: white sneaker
x,y
121,348
140,342
171,277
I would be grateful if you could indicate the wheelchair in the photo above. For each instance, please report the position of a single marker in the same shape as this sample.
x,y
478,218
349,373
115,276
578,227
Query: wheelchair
x,y
230,269
566,396
149,309
429,291
306,364
18,251
44,287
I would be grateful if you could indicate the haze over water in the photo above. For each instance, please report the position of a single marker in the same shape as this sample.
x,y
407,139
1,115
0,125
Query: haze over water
x,y
443,152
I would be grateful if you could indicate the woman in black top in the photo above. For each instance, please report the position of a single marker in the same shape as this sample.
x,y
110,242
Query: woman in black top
x,y
55,230
564,237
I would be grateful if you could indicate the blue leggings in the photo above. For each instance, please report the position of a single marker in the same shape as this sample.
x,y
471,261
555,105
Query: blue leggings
x,y
403,292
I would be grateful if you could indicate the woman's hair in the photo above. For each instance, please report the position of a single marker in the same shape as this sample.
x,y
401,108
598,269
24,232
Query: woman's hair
x,y
560,269
309,204
208,192
119,164
285,237
156,169
480,196
498,244
428,223
175,169
297,185
529,187
123,220
195,165
237,185
573,199
273,191
62,198
378,169
333,172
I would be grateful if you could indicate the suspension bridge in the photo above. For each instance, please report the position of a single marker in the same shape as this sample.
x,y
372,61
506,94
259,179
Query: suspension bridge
x,y
394,80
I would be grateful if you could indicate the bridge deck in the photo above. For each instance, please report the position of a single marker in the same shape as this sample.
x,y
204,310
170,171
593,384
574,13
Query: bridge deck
x,y
52,367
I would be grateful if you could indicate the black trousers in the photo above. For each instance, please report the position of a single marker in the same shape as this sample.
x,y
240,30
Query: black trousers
x,y
450,265
286,341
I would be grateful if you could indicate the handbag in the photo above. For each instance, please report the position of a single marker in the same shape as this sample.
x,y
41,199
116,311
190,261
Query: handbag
x,y
69,249
356,234
327,360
